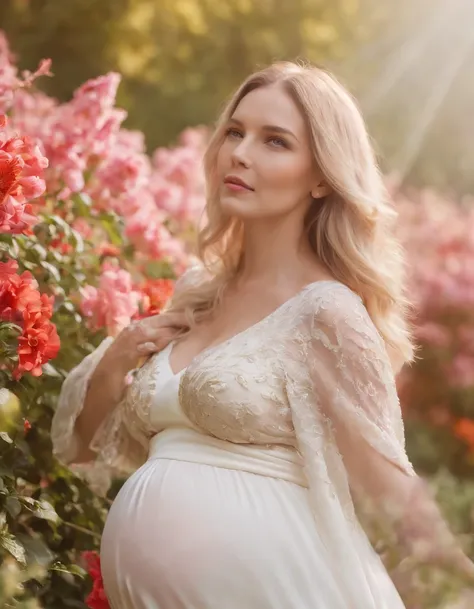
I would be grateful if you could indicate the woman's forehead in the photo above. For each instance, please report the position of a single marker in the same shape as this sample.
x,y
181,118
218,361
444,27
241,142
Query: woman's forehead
x,y
270,105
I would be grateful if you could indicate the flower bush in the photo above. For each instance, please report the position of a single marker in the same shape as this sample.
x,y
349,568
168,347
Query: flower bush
x,y
437,393
93,232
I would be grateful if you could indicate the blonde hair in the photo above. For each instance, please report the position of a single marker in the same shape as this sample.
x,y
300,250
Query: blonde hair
x,y
350,230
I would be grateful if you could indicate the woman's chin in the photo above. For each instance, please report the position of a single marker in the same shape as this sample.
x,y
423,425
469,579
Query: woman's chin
x,y
232,206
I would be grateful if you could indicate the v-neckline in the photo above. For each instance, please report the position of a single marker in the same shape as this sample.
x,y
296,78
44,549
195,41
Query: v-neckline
x,y
254,326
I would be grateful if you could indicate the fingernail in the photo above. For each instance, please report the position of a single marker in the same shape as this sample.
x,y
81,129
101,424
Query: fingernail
x,y
145,347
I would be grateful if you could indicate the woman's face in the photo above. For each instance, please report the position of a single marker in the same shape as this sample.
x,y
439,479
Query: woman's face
x,y
265,167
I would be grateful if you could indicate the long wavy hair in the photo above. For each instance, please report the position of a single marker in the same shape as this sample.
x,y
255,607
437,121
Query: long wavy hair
x,y
350,230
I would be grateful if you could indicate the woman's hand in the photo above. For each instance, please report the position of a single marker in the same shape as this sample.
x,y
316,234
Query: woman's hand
x,y
109,380
135,343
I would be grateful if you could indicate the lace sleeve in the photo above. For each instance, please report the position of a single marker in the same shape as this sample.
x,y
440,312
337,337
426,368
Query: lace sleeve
x,y
118,453
354,388
66,444
350,432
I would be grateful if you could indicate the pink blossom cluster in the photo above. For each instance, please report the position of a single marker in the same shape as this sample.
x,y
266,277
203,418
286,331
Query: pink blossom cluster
x,y
158,199
438,235
10,81
90,152
76,136
119,299
113,303
177,183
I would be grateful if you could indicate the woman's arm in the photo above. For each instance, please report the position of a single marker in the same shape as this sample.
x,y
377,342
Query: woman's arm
x,y
355,390
405,504
92,390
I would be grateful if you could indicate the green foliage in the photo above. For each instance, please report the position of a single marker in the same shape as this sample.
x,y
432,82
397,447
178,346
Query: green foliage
x,y
48,515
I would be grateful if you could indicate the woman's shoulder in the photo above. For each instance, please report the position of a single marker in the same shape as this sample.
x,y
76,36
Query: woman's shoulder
x,y
332,303
331,298
194,275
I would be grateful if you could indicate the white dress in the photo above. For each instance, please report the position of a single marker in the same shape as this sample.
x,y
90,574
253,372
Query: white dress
x,y
240,496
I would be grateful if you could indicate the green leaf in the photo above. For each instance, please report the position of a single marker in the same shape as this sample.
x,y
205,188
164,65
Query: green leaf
x,y
13,506
59,222
5,437
10,544
46,511
36,551
83,202
40,250
113,232
50,370
53,271
6,471
74,569
78,242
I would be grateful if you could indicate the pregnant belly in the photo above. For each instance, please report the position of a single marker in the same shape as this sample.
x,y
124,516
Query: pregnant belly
x,y
188,535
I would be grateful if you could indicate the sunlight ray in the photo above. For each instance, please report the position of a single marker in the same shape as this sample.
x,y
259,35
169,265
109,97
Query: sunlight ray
x,y
403,58
412,147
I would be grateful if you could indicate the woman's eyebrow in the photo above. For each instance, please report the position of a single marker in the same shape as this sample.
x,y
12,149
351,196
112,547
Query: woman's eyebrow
x,y
272,128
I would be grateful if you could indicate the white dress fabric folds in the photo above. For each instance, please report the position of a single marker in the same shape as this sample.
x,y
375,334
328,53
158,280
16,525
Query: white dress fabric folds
x,y
243,465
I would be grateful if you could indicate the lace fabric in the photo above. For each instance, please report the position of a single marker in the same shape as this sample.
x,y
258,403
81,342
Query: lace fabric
x,y
120,448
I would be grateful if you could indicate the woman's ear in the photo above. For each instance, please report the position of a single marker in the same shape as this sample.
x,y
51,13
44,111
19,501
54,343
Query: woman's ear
x,y
320,191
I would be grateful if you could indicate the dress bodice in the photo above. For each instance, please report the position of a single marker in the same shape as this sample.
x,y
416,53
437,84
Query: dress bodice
x,y
234,391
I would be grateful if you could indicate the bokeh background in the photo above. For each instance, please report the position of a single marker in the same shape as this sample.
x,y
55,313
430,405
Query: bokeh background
x,y
100,203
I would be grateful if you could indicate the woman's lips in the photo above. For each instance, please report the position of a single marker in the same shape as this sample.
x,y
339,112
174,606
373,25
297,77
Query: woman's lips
x,y
237,187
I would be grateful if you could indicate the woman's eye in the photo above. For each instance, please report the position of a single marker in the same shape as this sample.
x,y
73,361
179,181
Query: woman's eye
x,y
277,141
233,133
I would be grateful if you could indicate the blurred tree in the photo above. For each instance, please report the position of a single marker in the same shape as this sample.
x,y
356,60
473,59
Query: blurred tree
x,y
179,58
408,63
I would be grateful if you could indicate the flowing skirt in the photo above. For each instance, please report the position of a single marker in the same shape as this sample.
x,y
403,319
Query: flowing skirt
x,y
183,535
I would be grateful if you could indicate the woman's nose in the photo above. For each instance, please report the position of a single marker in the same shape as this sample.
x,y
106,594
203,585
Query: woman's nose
x,y
241,153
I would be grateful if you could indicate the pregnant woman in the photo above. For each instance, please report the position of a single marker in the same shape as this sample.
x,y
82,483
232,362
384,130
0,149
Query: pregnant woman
x,y
267,404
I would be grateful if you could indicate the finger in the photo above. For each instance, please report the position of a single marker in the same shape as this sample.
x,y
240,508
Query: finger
x,y
165,338
176,320
146,348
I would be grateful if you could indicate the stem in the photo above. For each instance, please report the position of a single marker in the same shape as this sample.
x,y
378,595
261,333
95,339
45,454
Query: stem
x,y
81,529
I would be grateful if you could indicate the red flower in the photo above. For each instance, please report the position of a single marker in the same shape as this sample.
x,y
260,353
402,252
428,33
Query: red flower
x,y
21,179
107,249
155,294
16,291
38,344
26,426
97,599
22,303
464,429
10,170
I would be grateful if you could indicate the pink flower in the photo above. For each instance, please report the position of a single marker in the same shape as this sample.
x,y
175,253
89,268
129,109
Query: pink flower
x,y
114,303
117,181
10,82
177,183
146,230
461,371
76,136
434,334
83,227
